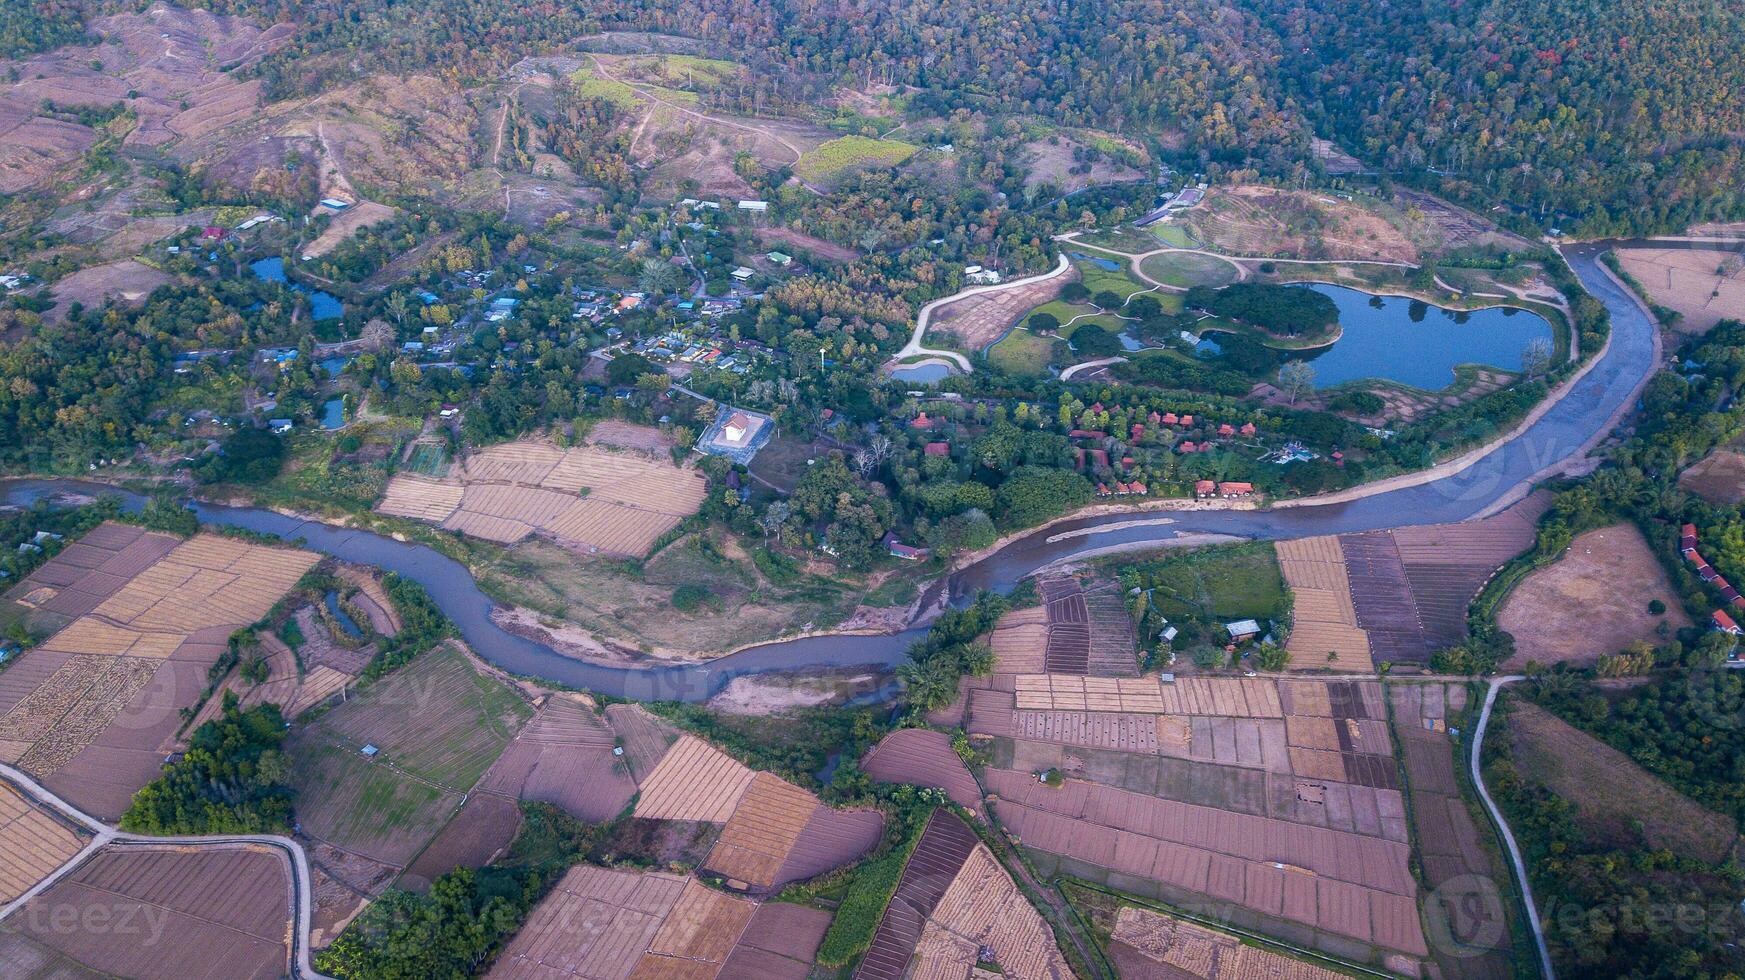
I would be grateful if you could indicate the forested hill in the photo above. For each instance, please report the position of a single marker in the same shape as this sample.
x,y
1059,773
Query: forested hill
x,y
1624,114
1629,113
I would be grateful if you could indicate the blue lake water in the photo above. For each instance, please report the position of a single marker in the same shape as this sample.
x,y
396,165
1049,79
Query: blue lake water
x,y
1415,343
333,414
339,616
334,365
922,373
323,306
1109,264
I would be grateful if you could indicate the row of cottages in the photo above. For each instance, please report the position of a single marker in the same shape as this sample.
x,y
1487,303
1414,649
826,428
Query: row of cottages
x,y
1687,546
1134,489
1228,489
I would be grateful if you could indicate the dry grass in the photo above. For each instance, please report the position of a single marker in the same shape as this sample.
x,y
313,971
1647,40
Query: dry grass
x,y
1233,697
125,281
1718,477
983,908
1182,949
1612,794
34,842
694,781
1324,631
359,216
65,714
1705,286
977,321
763,829
1076,692
1593,601
207,581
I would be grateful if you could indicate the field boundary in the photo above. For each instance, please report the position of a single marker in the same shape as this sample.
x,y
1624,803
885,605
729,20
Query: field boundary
x,y
302,899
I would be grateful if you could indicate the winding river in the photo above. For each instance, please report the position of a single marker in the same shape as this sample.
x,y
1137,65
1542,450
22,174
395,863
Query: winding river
x,y
1586,412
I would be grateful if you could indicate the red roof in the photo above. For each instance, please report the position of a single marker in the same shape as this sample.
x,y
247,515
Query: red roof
x,y
1236,488
1139,488
1226,429
1248,429
212,231
1205,488
1086,434
1689,530
921,422
1187,420
1122,488
1723,621
1102,490
1169,418
1185,446
937,449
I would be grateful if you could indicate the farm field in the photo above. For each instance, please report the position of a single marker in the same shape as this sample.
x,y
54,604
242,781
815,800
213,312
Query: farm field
x,y
437,726
588,498
563,756
352,220
976,322
1051,160
831,161
981,912
126,281
923,757
1187,269
1023,353
1307,224
602,924
1460,859
36,842
1324,632
92,710
1146,943
1704,286
1616,799
207,913
1591,602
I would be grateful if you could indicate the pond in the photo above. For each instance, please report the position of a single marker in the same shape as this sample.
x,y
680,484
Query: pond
x,y
339,616
335,366
323,306
1414,343
932,372
1109,265
333,414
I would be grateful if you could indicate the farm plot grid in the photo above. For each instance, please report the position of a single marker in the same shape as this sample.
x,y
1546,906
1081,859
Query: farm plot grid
x,y
207,913
945,844
922,757
602,924
1146,943
92,569
92,710
588,497
981,912
35,842
564,757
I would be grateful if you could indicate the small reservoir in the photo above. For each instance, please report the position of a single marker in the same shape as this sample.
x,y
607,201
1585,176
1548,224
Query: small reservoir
x,y
1415,343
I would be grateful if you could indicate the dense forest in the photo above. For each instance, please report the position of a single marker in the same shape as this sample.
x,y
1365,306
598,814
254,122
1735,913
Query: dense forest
x,y
1599,117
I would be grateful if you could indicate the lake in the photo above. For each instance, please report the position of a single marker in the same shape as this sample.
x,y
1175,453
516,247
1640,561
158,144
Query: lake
x,y
323,306
333,414
1418,344
926,374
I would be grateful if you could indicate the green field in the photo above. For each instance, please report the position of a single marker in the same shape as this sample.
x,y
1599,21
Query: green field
x,y
428,458
837,157
692,69
1022,352
1188,269
1174,235
589,87
1213,584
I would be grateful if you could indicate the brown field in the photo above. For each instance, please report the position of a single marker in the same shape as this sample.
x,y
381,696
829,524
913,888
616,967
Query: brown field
x,y
564,757
352,220
478,835
1238,697
618,434
981,909
1323,616
126,281
977,321
1255,220
764,827
923,757
207,581
1076,692
646,738
1612,795
779,943
343,885
939,855
1460,863
585,497
217,913
694,781
92,569
1592,601
1705,286
1718,477
1146,944
1020,641
697,936
789,238
32,148
35,842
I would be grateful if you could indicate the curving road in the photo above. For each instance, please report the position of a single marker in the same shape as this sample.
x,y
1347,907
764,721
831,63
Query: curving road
x,y
301,900
922,319
1484,794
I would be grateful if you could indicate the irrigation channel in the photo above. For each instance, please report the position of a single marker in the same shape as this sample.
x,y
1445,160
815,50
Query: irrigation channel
x,y
1585,413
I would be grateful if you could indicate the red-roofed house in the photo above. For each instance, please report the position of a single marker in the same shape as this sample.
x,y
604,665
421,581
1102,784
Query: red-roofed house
x,y
1226,430
1248,429
906,552
1169,418
921,422
1138,488
937,449
1205,488
1187,420
1186,446
1155,419
1233,489
1136,432
1102,490
1724,623
212,231
1122,490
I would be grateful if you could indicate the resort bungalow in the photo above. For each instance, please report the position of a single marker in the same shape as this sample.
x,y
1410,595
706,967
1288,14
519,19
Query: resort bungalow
x,y
1723,622
782,259
755,206
898,549
1232,489
335,204
1205,488
743,274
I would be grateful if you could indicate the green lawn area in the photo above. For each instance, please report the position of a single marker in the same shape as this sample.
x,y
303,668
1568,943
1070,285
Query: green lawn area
x,y
682,67
1174,235
1096,279
1188,269
832,159
1214,584
1022,352
589,87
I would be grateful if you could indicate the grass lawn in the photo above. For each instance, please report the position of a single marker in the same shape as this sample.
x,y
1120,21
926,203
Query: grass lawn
x,y
1218,583
832,159
1022,352
1188,269
1096,279
1174,235
589,87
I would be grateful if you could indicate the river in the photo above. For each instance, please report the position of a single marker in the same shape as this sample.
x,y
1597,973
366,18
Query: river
x,y
1556,437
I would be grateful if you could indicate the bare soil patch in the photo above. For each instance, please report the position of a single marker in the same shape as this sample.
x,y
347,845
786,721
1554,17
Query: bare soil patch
x,y
1051,161
127,281
1593,601
1718,477
1705,286
1613,795
977,321
359,216
810,244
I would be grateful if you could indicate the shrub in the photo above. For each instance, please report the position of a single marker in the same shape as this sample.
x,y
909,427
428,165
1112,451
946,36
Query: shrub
x,y
688,597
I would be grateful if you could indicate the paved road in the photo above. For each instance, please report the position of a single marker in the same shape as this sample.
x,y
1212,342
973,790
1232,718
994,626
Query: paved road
x,y
1484,719
914,348
103,835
